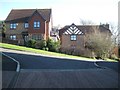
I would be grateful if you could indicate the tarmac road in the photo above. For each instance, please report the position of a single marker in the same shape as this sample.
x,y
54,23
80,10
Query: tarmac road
x,y
41,62
39,71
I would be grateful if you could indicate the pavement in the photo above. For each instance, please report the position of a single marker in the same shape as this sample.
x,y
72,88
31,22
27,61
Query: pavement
x,y
38,71
90,78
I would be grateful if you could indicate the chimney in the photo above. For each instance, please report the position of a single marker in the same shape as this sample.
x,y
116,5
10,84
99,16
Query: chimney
x,y
106,25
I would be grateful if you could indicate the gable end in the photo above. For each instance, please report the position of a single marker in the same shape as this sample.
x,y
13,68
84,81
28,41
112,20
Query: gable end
x,y
73,29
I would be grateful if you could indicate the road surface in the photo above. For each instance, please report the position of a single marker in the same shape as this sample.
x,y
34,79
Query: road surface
x,y
48,72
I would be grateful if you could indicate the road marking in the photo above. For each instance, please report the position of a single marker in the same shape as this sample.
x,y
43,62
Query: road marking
x,y
18,64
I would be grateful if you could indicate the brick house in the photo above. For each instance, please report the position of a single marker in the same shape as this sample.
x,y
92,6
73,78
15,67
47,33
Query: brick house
x,y
25,24
74,36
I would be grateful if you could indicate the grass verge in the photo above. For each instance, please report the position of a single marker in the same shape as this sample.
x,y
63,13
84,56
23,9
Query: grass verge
x,y
27,49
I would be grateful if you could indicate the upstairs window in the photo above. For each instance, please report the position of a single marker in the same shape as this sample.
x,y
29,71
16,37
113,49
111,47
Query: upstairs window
x,y
13,37
26,25
73,37
36,24
13,26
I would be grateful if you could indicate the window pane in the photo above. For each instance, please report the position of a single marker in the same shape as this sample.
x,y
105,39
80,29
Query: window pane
x,y
10,37
14,37
10,25
36,24
26,25
73,37
13,25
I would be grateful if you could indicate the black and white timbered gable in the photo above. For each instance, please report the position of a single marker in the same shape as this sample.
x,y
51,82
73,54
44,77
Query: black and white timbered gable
x,y
73,29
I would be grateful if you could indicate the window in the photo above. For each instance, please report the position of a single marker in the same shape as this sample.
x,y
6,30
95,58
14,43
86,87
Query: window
x,y
26,25
73,37
36,37
39,37
13,37
13,26
36,24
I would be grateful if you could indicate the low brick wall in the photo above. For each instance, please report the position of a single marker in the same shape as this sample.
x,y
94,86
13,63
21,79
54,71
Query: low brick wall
x,y
4,40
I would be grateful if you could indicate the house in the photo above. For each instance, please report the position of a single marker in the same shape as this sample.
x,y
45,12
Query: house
x,y
26,24
74,36
54,34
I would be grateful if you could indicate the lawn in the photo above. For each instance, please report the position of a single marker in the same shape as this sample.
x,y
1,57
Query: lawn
x,y
27,49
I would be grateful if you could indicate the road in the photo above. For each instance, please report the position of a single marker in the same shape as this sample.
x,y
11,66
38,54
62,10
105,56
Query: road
x,y
41,62
49,72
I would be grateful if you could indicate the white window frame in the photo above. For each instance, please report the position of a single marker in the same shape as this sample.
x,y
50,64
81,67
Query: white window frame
x,y
73,37
36,24
26,25
13,25
13,37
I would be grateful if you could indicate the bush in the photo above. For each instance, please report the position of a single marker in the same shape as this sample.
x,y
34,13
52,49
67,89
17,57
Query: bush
x,y
77,52
53,46
113,56
31,43
44,45
40,44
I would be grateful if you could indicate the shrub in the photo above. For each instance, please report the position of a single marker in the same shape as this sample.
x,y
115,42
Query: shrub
x,y
31,43
113,56
77,52
40,44
53,46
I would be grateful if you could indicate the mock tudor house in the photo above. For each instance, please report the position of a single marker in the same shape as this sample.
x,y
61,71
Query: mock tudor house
x,y
25,24
74,36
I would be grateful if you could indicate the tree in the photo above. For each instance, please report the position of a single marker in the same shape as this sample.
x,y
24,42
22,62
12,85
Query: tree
x,y
100,44
3,29
115,36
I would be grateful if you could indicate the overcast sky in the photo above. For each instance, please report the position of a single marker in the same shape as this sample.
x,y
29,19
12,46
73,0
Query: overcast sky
x,y
66,12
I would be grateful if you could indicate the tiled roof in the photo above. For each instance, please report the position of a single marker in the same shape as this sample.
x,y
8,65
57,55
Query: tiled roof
x,y
86,28
26,13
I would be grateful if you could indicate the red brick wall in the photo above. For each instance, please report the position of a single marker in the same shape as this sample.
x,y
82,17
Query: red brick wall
x,y
36,17
67,43
47,30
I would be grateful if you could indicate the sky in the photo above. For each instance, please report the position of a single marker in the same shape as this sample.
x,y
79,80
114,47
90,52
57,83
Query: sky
x,y
66,12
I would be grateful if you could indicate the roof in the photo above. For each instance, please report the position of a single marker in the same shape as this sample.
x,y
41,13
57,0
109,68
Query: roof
x,y
86,28
25,14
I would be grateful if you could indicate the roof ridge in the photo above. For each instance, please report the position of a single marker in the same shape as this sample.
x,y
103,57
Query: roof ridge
x,y
33,9
21,13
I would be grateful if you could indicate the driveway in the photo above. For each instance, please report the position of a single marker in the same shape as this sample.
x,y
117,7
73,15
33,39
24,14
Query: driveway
x,y
49,72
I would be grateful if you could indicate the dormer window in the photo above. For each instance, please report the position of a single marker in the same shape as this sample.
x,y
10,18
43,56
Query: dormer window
x,y
26,25
13,25
36,24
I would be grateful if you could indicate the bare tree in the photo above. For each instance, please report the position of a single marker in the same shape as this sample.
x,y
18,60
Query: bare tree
x,y
100,44
115,34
